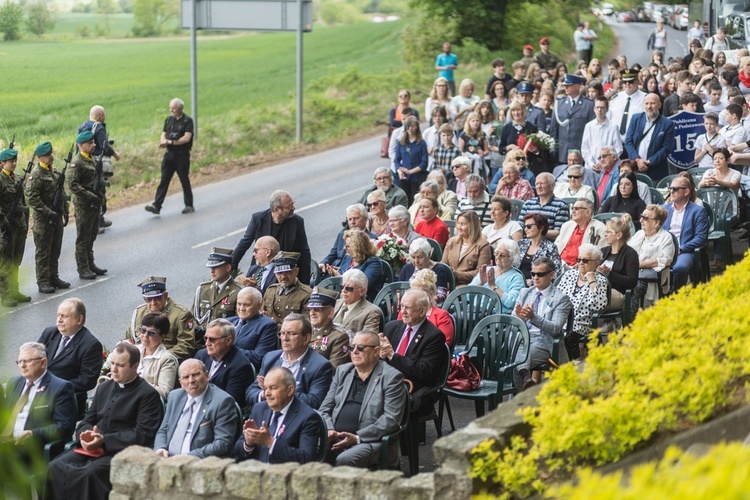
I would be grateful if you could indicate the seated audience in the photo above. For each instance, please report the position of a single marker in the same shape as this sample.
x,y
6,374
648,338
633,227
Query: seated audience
x,y
477,199
503,279
361,254
534,245
619,262
510,184
260,275
502,227
394,195
431,226
398,219
554,209
419,254
518,158
461,167
468,250
328,340
356,218
426,280
377,221
289,295
626,200
582,228
656,250
255,333
447,199
575,188
560,172
353,312
229,369
428,188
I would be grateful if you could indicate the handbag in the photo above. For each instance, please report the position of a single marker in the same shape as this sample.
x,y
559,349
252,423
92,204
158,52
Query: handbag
x,y
463,375
384,142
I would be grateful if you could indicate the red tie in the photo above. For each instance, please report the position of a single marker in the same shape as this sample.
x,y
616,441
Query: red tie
x,y
404,344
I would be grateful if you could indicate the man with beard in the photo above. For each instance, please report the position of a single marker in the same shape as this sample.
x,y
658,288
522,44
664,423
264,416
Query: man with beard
x,y
394,195
476,199
650,140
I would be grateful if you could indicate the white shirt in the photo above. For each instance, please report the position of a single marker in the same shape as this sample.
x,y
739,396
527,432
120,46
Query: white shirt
x,y
648,130
675,226
396,136
542,309
617,108
279,429
411,334
717,141
23,415
597,135
734,134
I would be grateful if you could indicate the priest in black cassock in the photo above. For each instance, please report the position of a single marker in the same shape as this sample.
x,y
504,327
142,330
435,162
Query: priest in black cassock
x,y
125,411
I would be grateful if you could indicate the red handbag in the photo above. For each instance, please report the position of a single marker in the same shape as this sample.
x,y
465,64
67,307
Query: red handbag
x,y
384,143
463,375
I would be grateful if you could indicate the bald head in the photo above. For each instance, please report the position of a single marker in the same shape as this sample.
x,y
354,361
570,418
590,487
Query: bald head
x,y
266,248
97,114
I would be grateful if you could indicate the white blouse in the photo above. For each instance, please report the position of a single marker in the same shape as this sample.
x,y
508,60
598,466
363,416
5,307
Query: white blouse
x,y
659,246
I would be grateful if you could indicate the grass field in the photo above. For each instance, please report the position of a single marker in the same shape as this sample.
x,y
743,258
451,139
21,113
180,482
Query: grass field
x,y
67,24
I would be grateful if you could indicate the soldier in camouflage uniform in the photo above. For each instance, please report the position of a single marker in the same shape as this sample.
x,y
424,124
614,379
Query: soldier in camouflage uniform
x,y
14,224
216,298
48,219
87,203
289,295
329,340
180,338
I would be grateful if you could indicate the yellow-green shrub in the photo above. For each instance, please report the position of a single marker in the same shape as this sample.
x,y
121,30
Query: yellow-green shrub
x,y
680,363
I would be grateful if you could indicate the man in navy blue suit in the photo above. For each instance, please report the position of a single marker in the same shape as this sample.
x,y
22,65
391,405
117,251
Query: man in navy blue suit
x,y
42,406
261,274
650,139
282,428
689,223
228,368
312,371
256,333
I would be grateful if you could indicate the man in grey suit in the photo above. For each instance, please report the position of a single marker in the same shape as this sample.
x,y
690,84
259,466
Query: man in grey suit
x,y
545,310
353,312
366,401
201,419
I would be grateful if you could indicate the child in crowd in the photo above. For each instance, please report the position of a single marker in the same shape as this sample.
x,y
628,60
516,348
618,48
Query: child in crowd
x,y
715,103
706,144
473,143
446,151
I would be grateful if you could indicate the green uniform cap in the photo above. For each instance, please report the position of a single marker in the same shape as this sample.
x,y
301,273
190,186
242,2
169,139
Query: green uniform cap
x,y
43,149
84,136
8,154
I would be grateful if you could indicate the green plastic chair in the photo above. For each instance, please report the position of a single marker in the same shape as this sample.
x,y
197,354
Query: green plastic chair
x,y
388,299
515,209
437,252
605,216
335,283
645,179
656,197
468,305
387,272
451,226
665,182
723,208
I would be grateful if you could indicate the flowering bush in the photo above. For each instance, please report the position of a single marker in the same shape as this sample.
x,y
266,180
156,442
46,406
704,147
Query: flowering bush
x,y
680,363
393,250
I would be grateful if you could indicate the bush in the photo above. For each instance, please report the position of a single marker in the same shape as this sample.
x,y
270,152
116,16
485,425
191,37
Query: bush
x,y
668,371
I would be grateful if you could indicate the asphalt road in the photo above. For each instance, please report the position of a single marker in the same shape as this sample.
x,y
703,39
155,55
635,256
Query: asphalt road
x,y
633,38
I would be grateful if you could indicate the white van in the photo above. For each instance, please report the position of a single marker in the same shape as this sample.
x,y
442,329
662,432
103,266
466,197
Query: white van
x,y
608,9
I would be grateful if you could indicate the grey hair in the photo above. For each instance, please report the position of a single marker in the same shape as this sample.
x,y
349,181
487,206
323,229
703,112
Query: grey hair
x,y
276,197
579,168
608,149
512,249
38,348
547,177
357,207
179,102
355,276
592,250
548,264
372,337
432,186
254,293
225,327
192,361
399,212
79,308
589,204
381,170
421,245
376,194
422,299
438,176
475,179
287,377
306,326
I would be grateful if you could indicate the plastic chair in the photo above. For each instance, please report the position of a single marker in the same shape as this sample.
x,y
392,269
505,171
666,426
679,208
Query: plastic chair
x,y
314,271
388,299
468,305
666,271
333,283
387,272
625,314
451,226
723,209
665,182
515,209
322,439
387,440
697,173
656,197
605,216
451,277
645,179
437,252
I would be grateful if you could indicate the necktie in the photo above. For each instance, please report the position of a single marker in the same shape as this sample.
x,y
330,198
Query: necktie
x,y
624,122
22,400
572,103
274,423
63,344
259,277
603,184
341,316
175,445
404,344
535,307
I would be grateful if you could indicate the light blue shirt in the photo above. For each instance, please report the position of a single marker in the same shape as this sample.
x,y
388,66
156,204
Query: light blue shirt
x,y
511,283
444,59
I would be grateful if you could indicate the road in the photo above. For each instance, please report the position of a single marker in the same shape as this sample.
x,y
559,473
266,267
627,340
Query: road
x,y
633,38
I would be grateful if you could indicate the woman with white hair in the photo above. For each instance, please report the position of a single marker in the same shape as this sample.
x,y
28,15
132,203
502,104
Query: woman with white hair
x,y
503,279
575,188
461,167
398,220
419,253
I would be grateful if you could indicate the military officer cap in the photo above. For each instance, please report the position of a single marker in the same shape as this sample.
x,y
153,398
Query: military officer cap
x,y
571,79
84,137
285,261
322,297
525,87
43,149
628,75
219,257
8,154
153,286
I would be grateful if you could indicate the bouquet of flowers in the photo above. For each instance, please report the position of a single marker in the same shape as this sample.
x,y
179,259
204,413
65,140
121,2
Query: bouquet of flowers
x,y
534,143
393,250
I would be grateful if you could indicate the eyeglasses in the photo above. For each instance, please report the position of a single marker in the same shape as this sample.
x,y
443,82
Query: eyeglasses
x,y
601,157
529,226
502,256
373,204
643,217
539,275
257,249
521,160
287,334
348,289
146,331
27,361
382,178
675,188
584,261
575,177
213,340
362,347
403,95
152,298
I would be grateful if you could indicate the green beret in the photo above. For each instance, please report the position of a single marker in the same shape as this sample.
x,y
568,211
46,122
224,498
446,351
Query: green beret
x,y
43,149
84,136
8,154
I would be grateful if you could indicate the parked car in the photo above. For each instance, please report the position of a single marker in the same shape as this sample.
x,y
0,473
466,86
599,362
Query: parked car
x,y
648,9
679,18
638,15
608,9
738,30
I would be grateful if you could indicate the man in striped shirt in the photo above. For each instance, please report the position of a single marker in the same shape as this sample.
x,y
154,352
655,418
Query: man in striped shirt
x,y
547,204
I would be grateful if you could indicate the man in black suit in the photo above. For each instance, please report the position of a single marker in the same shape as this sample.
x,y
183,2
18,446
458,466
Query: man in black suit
x,y
282,428
73,353
280,222
415,347
256,333
228,368
41,406
261,274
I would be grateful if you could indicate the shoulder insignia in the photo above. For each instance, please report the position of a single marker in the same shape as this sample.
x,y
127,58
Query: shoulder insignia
x,y
72,165
190,324
31,178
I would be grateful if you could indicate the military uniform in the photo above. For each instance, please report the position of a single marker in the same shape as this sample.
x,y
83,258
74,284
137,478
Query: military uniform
x,y
180,339
279,302
569,120
210,303
331,342
48,221
14,227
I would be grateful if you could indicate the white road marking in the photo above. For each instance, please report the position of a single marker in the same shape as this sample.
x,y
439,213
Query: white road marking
x,y
296,211
54,296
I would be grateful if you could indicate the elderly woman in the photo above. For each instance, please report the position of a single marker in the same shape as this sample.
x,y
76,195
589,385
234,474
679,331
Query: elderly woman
x,y
411,158
515,127
575,188
518,158
377,220
464,102
360,254
535,245
511,184
428,188
404,101
419,253
461,167
587,290
503,279
447,199
426,280
431,226
502,227
655,248
619,261
468,250
398,220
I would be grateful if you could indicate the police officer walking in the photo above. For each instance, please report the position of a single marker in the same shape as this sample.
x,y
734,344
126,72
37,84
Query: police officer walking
x,y
216,298
14,224
48,219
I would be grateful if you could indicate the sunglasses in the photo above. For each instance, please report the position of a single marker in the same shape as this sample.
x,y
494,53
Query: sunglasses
x,y
584,261
643,217
539,275
146,331
212,340
579,208
673,189
349,289
152,298
373,204
529,226
575,177
362,347
403,95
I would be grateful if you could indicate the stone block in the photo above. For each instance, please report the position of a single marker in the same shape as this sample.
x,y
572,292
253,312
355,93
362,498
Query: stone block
x,y
451,485
243,480
340,482
452,452
170,472
419,487
131,469
275,481
118,496
305,481
376,485
206,476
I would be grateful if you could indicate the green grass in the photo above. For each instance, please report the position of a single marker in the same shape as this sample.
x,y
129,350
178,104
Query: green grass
x,y
67,24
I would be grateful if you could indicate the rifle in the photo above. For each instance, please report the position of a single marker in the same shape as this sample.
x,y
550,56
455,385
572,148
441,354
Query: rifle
x,y
19,190
60,197
12,142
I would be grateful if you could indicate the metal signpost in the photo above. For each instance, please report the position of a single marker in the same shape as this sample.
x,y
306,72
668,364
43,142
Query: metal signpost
x,y
251,15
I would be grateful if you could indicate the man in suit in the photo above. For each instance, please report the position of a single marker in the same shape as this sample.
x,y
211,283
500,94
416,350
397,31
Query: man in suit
x,y
311,370
691,230
545,310
256,333
216,298
261,274
229,369
125,411
329,340
415,347
356,218
366,401
282,428
41,407
650,139
353,312
201,419
73,353
280,222
570,116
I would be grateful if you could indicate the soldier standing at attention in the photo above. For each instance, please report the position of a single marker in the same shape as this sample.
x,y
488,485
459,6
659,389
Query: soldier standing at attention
x,y
87,204
216,298
14,224
289,295
48,219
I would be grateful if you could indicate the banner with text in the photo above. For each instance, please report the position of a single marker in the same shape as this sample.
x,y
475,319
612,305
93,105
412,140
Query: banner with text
x,y
687,127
